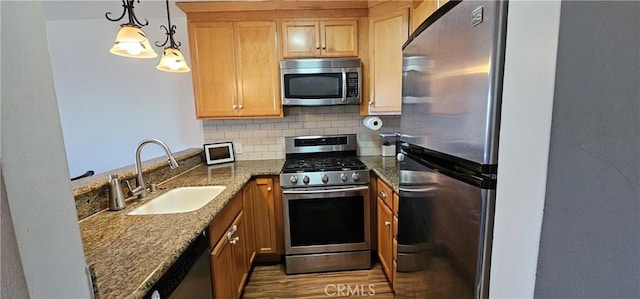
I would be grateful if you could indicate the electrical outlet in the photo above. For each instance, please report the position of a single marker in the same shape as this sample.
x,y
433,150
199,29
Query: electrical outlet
x,y
238,148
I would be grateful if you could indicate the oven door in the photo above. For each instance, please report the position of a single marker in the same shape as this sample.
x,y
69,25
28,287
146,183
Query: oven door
x,y
326,219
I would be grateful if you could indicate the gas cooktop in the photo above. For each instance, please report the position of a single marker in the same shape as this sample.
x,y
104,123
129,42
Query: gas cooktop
x,y
313,161
295,165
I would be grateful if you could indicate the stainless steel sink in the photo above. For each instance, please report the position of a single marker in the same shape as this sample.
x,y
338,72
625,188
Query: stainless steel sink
x,y
179,200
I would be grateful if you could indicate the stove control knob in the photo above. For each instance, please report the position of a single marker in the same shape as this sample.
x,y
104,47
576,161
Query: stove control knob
x,y
355,176
305,180
325,179
343,177
293,179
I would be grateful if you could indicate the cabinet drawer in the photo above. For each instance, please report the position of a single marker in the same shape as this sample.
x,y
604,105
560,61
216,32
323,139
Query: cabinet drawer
x,y
225,218
385,193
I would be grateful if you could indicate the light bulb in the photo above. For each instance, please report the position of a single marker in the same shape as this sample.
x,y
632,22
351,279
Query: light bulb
x,y
133,48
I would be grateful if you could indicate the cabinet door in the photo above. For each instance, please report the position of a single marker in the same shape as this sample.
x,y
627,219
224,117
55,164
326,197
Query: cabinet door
x,y
387,34
300,39
384,237
239,259
339,38
214,71
222,269
247,197
264,216
257,69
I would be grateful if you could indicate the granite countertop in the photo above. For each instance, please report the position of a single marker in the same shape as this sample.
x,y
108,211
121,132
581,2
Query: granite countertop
x,y
128,254
385,168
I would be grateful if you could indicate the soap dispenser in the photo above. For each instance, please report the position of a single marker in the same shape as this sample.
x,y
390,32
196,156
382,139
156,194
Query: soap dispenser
x,y
116,195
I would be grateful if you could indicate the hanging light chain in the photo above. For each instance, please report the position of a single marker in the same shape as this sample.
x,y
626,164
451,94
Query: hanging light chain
x,y
169,30
128,9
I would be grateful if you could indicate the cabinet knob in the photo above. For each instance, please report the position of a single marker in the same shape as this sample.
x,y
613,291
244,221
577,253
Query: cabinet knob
x,y
318,48
324,48
269,189
387,223
383,194
240,107
235,107
234,240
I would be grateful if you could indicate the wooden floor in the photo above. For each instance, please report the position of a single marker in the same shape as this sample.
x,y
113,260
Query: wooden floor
x,y
272,282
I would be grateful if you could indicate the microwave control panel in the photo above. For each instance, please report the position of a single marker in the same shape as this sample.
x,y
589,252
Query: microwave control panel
x,y
352,84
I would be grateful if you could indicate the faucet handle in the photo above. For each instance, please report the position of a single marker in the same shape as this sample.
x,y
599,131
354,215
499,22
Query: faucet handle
x,y
129,186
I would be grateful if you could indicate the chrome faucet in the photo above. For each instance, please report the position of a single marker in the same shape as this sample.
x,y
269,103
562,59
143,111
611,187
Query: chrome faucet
x,y
141,189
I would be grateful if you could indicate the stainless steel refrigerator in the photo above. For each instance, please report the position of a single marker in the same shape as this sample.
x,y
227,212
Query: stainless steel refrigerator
x,y
451,98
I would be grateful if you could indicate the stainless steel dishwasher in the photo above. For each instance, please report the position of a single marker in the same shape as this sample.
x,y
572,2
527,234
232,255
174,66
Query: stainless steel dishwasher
x,y
190,275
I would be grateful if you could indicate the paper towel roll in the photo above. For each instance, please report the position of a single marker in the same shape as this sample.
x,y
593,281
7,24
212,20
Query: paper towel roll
x,y
372,122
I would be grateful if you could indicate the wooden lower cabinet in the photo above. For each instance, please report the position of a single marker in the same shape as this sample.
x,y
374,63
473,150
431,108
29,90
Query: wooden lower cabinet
x,y
385,235
247,201
265,216
387,225
229,261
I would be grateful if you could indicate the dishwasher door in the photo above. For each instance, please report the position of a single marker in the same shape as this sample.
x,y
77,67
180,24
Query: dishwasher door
x,y
190,276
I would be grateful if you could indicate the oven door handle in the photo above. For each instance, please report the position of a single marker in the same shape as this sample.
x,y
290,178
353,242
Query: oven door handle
x,y
324,190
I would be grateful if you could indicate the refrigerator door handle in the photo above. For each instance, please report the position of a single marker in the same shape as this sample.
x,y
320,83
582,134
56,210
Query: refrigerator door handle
x,y
428,189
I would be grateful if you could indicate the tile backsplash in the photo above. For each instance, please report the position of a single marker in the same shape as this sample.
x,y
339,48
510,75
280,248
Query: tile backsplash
x,y
264,138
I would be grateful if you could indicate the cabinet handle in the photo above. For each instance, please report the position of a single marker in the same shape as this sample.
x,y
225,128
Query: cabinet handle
x,y
234,240
387,223
229,236
383,194
234,229
269,189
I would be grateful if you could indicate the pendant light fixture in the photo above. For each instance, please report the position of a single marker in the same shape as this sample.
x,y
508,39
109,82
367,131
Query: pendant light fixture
x,y
131,41
172,59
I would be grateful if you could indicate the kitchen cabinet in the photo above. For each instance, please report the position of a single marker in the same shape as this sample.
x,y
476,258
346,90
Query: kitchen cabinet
x,y
267,216
235,69
229,263
388,31
319,38
247,203
421,12
385,243
387,226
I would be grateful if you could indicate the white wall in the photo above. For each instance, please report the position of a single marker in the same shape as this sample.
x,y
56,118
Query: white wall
x,y
109,103
529,79
34,164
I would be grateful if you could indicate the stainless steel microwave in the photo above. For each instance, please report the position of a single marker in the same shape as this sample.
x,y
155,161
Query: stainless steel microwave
x,y
319,82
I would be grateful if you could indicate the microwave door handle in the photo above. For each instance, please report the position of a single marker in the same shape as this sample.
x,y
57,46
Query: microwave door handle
x,y
344,85
324,190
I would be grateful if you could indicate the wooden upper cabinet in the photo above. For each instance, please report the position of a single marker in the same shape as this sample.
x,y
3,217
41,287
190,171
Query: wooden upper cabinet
x,y
214,70
235,69
421,12
257,69
320,38
387,33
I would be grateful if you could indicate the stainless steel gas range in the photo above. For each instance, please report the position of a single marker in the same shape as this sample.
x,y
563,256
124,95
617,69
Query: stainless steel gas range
x,y
325,195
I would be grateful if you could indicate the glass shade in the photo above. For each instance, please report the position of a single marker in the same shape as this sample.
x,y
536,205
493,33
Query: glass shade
x,y
131,41
173,61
